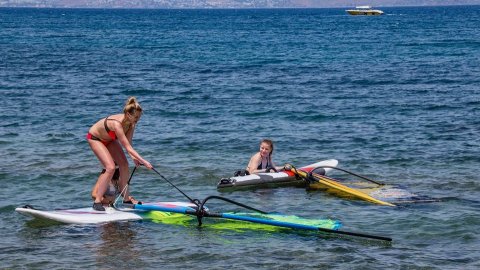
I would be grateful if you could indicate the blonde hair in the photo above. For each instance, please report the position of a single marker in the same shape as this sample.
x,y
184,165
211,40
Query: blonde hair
x,y
131,107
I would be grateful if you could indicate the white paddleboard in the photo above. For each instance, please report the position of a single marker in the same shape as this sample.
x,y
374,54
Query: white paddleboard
x,y
273,179
89,216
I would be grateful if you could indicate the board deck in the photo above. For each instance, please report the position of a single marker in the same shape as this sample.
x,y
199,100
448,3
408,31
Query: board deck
x,y
87,215
273,179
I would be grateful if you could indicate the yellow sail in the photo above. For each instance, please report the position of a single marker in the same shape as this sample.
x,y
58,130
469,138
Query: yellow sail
x,y
324,182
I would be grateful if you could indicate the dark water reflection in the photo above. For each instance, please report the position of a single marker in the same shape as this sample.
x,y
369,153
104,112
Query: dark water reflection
x,y
118,248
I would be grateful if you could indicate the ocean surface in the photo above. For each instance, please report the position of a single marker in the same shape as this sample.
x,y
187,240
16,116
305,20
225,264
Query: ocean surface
x,y
395,98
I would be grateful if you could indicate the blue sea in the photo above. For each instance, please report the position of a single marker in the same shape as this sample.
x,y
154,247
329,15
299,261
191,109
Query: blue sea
x,y
395,98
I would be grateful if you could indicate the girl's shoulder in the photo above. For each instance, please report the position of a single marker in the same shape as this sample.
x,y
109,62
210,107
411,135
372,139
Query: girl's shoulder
x,y
116,118
256,156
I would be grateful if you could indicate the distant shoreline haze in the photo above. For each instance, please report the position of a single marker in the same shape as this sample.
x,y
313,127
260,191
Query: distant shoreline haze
x,y
227,3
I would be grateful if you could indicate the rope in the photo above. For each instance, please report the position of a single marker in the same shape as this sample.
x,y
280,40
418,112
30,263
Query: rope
x,y
190,199
354,174
200,212
124,191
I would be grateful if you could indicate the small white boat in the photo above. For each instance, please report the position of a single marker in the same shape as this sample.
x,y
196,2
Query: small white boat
x,y
364,10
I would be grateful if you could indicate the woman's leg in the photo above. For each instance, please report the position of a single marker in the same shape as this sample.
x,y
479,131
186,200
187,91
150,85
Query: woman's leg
x,y
119,157
104,156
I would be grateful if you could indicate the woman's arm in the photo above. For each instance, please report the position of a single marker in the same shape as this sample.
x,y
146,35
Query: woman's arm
x,y
129,133
125,141
278,168
252,166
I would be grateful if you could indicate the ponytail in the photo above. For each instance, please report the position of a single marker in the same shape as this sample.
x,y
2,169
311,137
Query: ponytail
x,y
132,106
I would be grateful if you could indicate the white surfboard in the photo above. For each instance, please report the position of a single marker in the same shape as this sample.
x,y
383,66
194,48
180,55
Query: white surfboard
x,y
89,216
273,179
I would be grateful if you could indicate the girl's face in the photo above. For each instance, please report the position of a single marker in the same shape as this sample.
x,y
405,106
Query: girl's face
x,y
265,149
133,118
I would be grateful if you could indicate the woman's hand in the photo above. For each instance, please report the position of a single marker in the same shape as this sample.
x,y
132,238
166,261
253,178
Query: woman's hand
x,y
142,162
270,168
148,165
137,163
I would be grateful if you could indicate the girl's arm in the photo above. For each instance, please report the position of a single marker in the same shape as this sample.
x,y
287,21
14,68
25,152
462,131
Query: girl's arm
x,y
252,166
125,141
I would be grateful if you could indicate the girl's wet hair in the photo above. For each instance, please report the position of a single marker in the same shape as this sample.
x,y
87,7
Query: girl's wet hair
x,y
270,143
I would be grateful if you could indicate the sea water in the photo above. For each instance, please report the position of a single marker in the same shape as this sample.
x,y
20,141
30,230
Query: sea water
x,y
394,97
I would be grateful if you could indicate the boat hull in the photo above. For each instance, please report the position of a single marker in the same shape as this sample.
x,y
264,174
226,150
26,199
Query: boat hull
x,y
372,12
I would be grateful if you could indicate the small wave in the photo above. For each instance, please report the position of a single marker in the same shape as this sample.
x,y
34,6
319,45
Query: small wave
x,y
60,135
137,92
10,125
7,208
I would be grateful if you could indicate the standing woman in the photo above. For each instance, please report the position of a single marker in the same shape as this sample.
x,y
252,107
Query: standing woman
x,y
263,159
106,138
